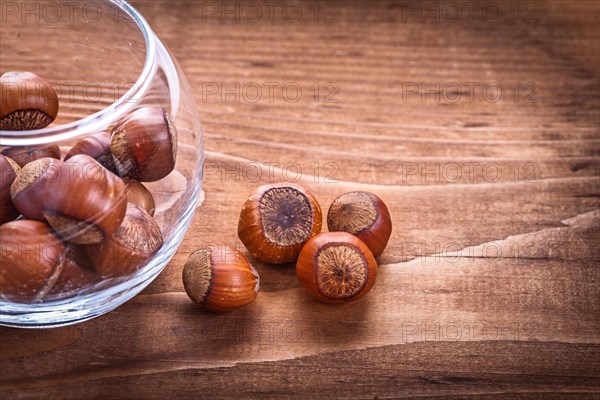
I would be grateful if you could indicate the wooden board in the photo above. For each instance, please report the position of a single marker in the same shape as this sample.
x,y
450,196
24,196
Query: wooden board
x,y
490,285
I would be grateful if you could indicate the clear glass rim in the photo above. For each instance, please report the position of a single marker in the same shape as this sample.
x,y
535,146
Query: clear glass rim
x,y
99,120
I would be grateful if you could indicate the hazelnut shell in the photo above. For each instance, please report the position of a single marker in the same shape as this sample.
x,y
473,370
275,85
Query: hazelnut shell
x,y
23,155
77,273
26,102
364,215
277,220
144,145
96,146
27,190
220,278
129,247
8,172
336,267
139,195
30,255
84,202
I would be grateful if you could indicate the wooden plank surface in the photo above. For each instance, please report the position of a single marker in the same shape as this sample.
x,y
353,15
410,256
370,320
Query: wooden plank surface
x,y
490,285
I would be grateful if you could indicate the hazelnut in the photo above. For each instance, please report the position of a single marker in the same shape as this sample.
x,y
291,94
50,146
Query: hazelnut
x,y
26,102
30,260
77,273
96,146
131,246
8,172
140,195
27,191
277,220
83,201
336,267
220,278
364,215
25,154
144,145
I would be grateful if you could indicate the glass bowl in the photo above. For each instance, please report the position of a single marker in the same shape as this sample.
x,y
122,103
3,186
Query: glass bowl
x,y
105,63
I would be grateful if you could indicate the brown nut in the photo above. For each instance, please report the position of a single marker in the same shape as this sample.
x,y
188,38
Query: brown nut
x,y
144,145
84,202
30,260
23,155
364,215
277,220
336,267
27,191
77,273
96,146
26,102
220,278
131,246
140,195
8,172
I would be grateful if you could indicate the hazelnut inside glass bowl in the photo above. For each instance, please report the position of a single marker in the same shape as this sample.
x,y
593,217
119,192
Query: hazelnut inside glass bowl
x,y
118,88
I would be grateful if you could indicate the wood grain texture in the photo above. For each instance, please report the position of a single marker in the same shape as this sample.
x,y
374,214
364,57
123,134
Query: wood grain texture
x,y
490,285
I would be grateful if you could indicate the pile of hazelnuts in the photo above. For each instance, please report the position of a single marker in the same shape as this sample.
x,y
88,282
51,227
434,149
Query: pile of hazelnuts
x,y
280,224
70,222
